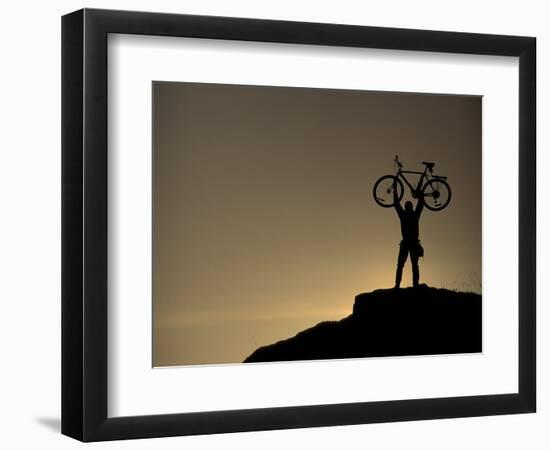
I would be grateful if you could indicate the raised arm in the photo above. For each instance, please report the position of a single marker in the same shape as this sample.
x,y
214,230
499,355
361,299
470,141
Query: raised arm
x,y
396,203
419,205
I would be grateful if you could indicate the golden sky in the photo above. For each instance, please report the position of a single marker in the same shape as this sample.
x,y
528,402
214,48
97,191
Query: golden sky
x,y
264,220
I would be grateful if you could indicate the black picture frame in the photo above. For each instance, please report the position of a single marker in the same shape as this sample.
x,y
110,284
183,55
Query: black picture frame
x,y
84,224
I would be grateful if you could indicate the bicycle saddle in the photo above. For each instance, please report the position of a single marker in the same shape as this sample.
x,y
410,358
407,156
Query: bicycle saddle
x,y
429,164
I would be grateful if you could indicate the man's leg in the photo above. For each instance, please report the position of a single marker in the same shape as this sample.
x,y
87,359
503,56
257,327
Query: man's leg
x,y
415,268
401,258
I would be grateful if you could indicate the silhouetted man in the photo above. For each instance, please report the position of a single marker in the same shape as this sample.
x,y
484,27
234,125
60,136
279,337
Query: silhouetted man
x,y
410,245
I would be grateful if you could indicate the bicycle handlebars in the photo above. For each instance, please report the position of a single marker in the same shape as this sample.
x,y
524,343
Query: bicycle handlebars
x,y
399,165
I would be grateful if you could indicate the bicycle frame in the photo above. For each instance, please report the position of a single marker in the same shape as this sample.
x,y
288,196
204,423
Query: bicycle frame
x,y
423,175
434,189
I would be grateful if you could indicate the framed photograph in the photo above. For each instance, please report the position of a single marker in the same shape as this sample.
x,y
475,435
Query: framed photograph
x,y
272,224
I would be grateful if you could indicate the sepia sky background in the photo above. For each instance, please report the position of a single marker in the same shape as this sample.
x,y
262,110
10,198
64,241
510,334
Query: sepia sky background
x,y
264,219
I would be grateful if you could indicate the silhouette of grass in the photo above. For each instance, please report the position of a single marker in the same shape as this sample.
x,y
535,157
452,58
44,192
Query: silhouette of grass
x,y
470,284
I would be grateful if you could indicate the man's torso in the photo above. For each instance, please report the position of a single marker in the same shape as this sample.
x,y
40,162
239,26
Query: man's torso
x,y
409,227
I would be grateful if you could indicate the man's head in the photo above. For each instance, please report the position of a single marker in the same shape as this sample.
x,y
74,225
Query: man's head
x,y
408,206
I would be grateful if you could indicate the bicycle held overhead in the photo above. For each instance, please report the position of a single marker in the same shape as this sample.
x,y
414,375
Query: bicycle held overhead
x,y
434,189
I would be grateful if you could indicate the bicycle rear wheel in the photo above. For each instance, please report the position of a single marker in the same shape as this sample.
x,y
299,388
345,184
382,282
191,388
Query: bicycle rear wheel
x,y
437,194
383,190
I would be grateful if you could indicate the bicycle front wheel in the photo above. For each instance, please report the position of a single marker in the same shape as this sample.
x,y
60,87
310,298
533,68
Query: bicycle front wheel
x,y
383,190
437,194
